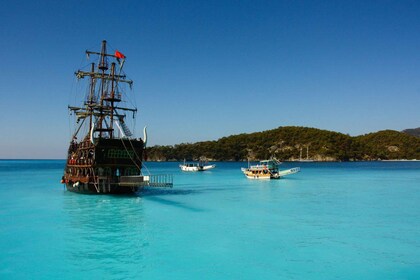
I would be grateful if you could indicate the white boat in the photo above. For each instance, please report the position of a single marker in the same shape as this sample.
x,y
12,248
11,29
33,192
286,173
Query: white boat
x,y
194,167
267,169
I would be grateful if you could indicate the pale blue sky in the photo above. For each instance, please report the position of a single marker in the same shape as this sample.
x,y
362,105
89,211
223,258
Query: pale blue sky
x,y
203,70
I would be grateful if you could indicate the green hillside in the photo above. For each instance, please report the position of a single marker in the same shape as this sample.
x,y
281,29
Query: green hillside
x,y
413,131
389,144
286,143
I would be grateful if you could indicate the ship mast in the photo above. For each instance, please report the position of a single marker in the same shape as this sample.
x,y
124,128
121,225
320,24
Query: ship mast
x,y
103,66
102,105
112,99
91,100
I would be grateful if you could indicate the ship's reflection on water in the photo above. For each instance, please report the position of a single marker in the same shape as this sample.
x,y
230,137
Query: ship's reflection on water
x,y
120,234
105,234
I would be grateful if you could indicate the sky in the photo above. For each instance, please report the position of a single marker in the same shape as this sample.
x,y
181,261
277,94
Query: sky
x,y
203,70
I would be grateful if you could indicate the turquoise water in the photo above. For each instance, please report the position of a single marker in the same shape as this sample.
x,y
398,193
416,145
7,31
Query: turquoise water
x,y
331,221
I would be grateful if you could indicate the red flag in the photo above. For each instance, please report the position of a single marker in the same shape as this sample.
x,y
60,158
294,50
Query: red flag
x,y
119,55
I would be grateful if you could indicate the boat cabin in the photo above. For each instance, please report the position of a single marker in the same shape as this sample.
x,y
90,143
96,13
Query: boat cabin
x,y
270,164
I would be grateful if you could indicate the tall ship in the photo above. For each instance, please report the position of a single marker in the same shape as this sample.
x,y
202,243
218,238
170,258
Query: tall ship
x,y
104,157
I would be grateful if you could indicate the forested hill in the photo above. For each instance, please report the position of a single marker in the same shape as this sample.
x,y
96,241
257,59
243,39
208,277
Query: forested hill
x,y
287,143
413,131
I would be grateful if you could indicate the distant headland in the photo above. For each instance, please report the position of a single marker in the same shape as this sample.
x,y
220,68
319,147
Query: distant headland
x,y
291,143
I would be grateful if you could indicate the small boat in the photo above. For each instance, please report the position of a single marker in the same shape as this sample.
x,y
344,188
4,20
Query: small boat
x,y
193,167
267,169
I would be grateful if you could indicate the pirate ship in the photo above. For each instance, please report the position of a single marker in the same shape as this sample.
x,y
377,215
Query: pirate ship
x,y
104,157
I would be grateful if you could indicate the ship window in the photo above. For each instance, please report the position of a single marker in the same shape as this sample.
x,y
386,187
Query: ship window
x,y
111,153
130,171
120,154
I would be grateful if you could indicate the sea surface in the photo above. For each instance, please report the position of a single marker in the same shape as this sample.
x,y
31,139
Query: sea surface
x,y
356,220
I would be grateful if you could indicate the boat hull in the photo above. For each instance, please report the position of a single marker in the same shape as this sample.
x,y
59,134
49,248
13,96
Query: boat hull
x,y
196,168
208,167
89,188
98,168
256,177
260,176
189,168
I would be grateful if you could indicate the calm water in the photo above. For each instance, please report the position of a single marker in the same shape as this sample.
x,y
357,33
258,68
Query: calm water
x,y
331,221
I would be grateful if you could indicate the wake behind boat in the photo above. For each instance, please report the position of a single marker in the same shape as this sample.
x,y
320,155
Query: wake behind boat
x,y
268,169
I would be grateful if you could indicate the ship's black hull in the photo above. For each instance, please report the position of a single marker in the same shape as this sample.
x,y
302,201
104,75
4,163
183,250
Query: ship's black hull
x,y
89,188
99,168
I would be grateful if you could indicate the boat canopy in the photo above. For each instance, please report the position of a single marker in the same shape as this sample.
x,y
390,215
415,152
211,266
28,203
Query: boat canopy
x,y
269,163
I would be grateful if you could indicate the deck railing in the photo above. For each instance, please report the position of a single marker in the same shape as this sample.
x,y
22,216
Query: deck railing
x,y
158,180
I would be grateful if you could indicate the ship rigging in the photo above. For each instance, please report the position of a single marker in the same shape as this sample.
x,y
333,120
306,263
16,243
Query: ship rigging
x,y
107,158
